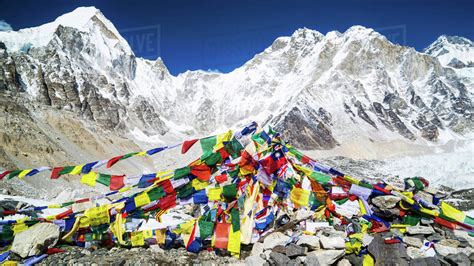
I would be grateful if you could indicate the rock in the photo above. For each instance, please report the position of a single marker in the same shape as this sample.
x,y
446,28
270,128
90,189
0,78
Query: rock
x,y
420,230
415,253
323,257
257,249
294,262
254,261
86,252
266,254
275,239
424,221
332,242
35,240
278,258
280,249
385,202
428,261
312,242
412,241
387,254
293,250
303,214
435,237
156,249
458,259
344,262
445,250
449,242
354,259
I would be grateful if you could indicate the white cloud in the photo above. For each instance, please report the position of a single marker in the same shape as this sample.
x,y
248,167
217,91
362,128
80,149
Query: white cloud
x,y
4,26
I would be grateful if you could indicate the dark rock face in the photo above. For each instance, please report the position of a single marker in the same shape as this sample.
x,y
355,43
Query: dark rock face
x,y
63,79
9,78
306,130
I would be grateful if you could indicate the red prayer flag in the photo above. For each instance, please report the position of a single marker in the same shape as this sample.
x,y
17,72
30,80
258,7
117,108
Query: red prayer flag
x,y
113,161
116,182
221,178
2,175
201,171
187,145
55,172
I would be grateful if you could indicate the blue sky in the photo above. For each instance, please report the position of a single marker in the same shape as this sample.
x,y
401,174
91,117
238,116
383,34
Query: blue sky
x,y
222,35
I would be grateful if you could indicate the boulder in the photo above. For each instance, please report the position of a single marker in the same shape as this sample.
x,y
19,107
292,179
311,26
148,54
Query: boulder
x,y
420,230
257,249
280,249
387,254
275,239
156,249
344,262
458,259
279,259
323,257
412,241
385,202
35,240
415,253
312,242
428,261
445,250
254,261
450,243
336,242
293,250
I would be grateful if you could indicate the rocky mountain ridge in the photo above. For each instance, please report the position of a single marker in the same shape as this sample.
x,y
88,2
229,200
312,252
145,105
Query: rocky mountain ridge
x,y
322,91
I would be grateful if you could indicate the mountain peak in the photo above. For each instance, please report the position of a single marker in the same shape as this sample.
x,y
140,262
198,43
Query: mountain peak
x,y
77,18
82,18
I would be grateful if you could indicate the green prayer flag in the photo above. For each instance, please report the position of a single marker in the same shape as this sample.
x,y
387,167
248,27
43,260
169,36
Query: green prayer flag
x,y
66,170
211,159
320,177
182,172
206,228
156,193
207,144
234,148
14,173
104,179
234,213
184,191
230,191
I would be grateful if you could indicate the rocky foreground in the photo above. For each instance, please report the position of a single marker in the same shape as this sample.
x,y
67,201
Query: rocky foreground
x,y
426,243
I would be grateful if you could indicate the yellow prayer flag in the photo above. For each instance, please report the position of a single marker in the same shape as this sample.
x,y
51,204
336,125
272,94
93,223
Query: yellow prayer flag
x,y
142,199
89,179
198,184
368,260
142,153
160,236
98,215
300,196
19,227
137,239
23,173
452,212
233,245
147,234
221,138
214,194
76,170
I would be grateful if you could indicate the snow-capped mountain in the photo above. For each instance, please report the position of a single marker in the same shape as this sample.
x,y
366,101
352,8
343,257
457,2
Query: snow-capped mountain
x,y
320,90
455,52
